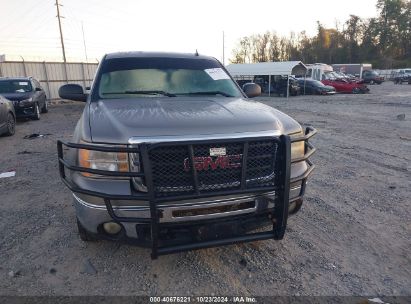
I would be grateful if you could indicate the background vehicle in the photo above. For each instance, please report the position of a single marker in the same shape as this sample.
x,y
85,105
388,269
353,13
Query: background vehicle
x,y
242,82
339,75
278,85
318,71
293,86
7,117
183,165
309,86
28,97
371,77
402,75
352,77
344,86
356,69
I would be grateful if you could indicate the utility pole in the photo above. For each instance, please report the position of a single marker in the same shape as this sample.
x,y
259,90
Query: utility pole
x,y
85,50
84,41
223,50
61,32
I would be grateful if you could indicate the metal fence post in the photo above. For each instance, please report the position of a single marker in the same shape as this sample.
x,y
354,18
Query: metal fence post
x,y
84,75
269,85
47,79
65,71
288,86
24,67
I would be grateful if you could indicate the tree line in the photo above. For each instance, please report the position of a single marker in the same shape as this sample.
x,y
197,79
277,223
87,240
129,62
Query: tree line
x,y
384,41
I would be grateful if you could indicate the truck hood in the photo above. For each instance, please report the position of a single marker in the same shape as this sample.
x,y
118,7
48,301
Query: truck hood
x,y
117,120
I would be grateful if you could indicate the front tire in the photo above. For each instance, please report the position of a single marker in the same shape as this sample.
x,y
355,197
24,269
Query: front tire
x,y
36,115
45,107
356,91
85,236
11,124
372,82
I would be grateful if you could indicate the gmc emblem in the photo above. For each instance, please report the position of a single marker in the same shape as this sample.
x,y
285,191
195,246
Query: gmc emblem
x,y
203,163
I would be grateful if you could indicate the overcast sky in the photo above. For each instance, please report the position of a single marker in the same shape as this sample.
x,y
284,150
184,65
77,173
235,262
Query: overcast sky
x,y
29,27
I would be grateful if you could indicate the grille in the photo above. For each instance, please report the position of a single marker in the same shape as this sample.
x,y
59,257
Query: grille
x,y
172,170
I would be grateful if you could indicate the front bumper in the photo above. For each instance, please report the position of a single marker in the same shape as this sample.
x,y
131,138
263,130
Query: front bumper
x,y
326,92
256,208
147,225
24,112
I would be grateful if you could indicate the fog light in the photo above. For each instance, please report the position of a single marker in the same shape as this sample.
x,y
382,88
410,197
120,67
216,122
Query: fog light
x,y
295,206
291,207
111,228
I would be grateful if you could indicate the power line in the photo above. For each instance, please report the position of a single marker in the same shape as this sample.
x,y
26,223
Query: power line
x,y
9,19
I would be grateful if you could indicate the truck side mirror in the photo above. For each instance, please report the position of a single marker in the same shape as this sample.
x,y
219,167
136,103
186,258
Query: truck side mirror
x,y
252,89
72,92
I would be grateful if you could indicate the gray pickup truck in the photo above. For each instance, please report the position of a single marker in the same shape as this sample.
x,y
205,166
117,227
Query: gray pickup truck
x,y
171,154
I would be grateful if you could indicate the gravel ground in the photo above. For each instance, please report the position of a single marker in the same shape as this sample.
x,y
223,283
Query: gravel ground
x,y
352,236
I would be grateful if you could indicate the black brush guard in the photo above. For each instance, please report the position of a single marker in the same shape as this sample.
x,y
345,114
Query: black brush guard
x,y
282,188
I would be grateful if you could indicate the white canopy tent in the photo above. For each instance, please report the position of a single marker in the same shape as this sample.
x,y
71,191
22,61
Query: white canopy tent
x,y
283,68
268,68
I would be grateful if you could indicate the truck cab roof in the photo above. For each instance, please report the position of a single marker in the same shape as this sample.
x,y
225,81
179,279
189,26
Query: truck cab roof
x,y
140,54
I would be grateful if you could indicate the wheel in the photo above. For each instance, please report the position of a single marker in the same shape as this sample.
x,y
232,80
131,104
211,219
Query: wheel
x,y
36,115
11,124
45,107
356,91
372,82
85,236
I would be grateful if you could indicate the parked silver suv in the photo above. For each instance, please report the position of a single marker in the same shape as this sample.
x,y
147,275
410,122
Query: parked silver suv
x,y
170,153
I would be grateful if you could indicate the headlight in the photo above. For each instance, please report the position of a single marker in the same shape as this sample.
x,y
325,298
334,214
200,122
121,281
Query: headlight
x,y
297,148
107,161
26,102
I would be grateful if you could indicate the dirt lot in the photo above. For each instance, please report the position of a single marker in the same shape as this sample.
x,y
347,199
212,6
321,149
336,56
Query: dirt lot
x,y
352,236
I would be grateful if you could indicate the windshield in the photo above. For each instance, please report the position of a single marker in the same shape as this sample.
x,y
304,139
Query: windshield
x,y
15,86
130,77
339,74
330,75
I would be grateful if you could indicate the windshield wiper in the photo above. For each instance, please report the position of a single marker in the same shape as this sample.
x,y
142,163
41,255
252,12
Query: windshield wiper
x,y
143,93
209,93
